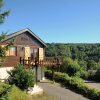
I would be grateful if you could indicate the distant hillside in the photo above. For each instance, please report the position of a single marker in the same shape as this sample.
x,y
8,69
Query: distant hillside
x,y
79,51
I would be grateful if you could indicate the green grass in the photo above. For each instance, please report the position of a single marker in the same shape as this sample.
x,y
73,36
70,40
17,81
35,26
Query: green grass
x,y
43,97
14,93
18,94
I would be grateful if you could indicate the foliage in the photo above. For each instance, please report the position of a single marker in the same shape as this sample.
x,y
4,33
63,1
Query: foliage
x,y
97,75
84,53
92,65
3,35
3,14
72,69
21,77
15,93
83,64
2,52
82,74
87,56
4,88
75,83
66,63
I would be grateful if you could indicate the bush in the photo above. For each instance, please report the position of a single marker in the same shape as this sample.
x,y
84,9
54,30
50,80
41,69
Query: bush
x,y
66,63
4,88
82,74
76,84
21,77
97,75
72,69
91,74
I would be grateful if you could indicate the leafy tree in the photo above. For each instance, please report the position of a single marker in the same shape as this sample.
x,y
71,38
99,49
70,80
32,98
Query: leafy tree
x,y
92,65
66,63
21,77
84,53
83,64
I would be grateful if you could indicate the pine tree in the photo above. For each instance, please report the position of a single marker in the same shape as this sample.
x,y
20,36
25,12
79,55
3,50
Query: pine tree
x,y
3,14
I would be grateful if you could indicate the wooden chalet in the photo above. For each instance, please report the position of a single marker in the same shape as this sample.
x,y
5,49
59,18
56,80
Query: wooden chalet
x,y
26,44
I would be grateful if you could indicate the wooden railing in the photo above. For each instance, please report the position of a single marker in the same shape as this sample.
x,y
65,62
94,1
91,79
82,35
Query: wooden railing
x,y
48,61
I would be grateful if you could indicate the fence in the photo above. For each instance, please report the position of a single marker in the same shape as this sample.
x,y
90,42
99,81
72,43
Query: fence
x,y
48,61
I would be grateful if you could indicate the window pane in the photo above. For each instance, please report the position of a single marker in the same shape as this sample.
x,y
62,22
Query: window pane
x,y
12,51
35,52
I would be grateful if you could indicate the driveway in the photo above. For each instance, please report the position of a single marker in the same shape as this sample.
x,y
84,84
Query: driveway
x,y
93,84
59,92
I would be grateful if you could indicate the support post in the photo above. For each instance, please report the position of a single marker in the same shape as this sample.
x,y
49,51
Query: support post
x,y
36,66
20,60
23,62
53,74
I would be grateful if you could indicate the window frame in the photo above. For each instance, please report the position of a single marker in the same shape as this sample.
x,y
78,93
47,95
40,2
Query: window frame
x,y
15,52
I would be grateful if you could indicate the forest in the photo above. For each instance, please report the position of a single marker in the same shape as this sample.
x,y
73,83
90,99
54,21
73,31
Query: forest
x,y
81,59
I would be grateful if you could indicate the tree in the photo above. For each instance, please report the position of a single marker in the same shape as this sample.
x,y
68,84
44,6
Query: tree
x,y
4,13
3,35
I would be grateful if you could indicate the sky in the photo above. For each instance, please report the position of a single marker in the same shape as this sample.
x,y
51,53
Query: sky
x,y
55,21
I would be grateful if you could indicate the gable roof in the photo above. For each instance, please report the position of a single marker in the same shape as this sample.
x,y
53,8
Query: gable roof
x,y
22,31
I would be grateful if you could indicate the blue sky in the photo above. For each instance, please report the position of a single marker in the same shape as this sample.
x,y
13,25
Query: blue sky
x,y
61,21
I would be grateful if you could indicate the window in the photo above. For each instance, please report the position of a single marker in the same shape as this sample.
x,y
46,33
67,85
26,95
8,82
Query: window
x,y
34,52
12,51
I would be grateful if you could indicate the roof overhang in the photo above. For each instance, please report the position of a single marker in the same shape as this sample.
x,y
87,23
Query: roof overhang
x,y
22,31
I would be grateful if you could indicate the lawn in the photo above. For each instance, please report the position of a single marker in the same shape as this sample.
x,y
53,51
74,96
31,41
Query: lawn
x,y
43,97
14,93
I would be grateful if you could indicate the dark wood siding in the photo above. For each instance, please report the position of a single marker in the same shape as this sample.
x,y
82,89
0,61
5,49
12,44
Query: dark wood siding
x,y
25,39
11,61
20,41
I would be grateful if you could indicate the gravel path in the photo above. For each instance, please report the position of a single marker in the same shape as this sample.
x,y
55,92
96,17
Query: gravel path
x,y
59,92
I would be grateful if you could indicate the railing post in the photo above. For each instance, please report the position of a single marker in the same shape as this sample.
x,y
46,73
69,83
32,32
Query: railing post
x,y
29,61
20,60
53,74
36,65
23,61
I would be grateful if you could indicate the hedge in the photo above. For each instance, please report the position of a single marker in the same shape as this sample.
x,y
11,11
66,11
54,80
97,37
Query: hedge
x,y
74,83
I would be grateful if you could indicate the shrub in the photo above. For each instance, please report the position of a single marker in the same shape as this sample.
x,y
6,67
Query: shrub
x,y
72,69
76,84
91,74
97,75
82,74
66,63
4,88
21,77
